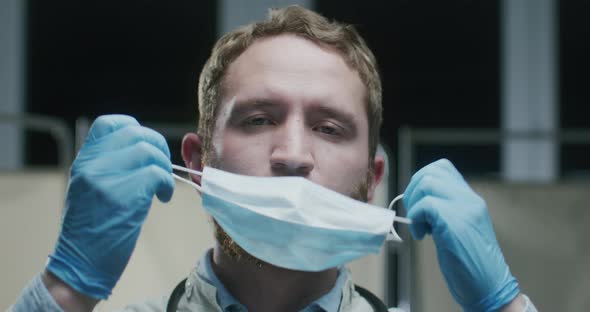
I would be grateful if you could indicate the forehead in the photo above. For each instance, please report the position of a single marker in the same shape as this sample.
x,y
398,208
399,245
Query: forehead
x,y
297,69
290,50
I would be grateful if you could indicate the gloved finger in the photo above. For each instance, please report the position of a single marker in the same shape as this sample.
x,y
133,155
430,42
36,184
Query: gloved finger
x,y
140,154
158,181
107,124
430,180
424,215
429,169
448,166
130,135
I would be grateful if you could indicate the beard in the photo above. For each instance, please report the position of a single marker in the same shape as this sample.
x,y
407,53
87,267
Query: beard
x,y
238,254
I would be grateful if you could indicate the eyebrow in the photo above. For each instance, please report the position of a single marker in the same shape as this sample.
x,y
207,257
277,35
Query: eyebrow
x,y
246,105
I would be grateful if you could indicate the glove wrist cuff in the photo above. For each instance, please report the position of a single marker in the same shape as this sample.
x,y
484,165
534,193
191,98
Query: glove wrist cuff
x,y
94,286
498,299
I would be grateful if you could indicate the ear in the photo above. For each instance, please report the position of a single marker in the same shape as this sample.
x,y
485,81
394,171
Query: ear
x,y
378,170
191,150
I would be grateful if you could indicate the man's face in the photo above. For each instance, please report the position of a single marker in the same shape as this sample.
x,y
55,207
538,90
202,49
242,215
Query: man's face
x,y
291,107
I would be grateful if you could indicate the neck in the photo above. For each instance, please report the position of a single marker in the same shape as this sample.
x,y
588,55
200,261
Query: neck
x,y
270,288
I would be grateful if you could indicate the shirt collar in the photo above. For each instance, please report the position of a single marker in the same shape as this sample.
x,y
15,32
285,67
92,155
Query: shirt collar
x,y
224,298
329,302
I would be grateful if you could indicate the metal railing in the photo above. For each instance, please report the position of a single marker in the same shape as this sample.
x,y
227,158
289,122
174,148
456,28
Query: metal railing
x,y
409,138
173,131
67,143
53,126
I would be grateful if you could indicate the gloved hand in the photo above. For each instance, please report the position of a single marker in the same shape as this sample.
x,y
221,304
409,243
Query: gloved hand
x,y
112,182
441,203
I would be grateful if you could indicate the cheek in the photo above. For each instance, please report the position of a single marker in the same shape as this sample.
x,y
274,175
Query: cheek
x,y
243,155
342,169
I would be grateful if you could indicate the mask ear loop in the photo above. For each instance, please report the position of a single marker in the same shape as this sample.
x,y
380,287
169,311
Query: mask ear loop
x,y
396,218
393,236
189,182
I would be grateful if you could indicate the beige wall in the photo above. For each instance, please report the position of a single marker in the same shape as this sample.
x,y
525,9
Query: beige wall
x,y
543,231
29,223
173,238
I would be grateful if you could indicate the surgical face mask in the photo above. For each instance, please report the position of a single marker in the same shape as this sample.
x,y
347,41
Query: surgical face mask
x,y
291,222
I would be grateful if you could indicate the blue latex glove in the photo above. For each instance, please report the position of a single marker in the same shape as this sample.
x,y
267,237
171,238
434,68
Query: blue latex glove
x,y
112,183
441,203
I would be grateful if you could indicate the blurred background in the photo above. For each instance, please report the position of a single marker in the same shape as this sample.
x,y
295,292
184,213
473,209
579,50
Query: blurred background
x,y
499,87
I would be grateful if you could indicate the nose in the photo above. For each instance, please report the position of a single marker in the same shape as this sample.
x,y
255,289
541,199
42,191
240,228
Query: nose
x,y
291,153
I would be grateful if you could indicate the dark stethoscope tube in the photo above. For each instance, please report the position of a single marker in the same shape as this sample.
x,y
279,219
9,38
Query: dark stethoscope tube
x,y
374,301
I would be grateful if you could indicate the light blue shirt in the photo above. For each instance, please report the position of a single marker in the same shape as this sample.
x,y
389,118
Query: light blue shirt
x,y
329,302
36,297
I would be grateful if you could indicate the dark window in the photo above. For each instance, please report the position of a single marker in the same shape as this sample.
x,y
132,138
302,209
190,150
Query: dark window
x,y
574,58
88,58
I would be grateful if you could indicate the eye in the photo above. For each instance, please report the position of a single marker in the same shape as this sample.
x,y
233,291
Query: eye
x,y
328,129
259,121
